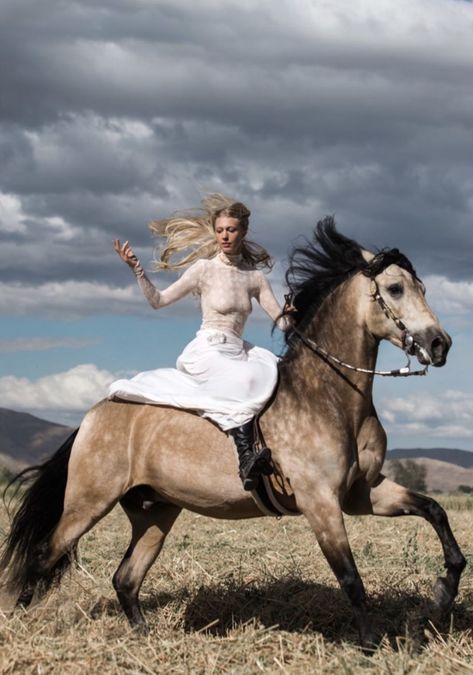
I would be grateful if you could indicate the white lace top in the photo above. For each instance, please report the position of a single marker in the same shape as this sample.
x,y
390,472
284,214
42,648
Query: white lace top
x,y
226,285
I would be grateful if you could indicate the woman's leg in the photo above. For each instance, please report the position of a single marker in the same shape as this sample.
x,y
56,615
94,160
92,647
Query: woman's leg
x,y
235,380
253,461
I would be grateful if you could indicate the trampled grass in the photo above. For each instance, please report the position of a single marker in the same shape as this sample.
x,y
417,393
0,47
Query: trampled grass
x,y
250,597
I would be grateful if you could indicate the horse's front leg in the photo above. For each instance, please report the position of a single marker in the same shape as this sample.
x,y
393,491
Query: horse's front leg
x,y
386,498
326,519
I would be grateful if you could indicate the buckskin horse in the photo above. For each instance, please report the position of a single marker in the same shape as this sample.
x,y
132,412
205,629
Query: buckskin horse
x,y
321,425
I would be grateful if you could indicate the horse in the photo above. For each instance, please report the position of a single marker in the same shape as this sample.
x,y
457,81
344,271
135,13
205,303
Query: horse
x,y
321,425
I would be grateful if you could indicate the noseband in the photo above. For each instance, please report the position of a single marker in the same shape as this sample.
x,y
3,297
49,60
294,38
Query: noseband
x,y
375,267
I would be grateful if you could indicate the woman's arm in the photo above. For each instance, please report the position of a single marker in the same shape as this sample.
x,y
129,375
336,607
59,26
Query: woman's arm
x,y
271,306
187,283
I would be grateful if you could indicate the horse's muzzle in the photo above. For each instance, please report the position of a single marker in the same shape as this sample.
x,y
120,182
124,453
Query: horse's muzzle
x,y
431,346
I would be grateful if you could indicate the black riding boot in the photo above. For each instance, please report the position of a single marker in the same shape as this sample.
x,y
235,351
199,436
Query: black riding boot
x,y
253,461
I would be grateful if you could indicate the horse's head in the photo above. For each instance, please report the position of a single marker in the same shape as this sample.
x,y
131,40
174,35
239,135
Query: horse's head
x,y
388,295
398,310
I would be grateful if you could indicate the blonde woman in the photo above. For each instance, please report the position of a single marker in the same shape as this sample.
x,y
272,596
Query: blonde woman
x,y
218,375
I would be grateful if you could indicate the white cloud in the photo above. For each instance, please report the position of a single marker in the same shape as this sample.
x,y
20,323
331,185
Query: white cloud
x,y
450,297
15,219
76,389
76,299
11,214
430,416
68,299
44,343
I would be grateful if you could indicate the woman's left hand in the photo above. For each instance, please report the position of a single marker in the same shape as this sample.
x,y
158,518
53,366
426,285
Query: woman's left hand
x,y
126,253
289,308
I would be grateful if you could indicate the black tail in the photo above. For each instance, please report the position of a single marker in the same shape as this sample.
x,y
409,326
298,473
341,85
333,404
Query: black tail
x,y
37,514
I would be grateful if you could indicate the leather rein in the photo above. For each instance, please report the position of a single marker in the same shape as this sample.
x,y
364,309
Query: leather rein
x,y
408,343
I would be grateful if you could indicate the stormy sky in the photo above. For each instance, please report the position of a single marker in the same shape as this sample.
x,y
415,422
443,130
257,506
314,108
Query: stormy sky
x,y
115,113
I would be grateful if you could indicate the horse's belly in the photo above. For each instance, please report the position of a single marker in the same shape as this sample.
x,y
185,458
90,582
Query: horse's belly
x,y
237,510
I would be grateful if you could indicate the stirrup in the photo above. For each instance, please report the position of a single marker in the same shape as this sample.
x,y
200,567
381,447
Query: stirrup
x,y
263,461
249,483
254,465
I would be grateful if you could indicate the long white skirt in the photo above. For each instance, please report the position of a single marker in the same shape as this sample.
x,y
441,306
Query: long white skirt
x,y
220,376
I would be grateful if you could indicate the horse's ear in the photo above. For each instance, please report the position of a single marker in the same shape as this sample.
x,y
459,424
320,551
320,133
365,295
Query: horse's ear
x,y
367,255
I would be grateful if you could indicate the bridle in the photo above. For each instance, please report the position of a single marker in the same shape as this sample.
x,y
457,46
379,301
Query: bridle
x,y
408,342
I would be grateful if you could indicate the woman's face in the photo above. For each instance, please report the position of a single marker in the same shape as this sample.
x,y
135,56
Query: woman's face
x,y
229,233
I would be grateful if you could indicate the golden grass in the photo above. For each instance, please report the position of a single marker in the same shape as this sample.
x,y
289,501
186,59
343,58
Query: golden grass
x,y
249,597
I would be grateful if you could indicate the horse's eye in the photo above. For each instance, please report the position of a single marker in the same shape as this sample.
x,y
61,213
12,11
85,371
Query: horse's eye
x,y
396,290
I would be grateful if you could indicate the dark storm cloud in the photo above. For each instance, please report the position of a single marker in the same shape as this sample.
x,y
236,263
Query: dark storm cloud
x,y
145,58
118,112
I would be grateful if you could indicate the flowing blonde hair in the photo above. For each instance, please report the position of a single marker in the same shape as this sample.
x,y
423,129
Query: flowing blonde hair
x,y
190,235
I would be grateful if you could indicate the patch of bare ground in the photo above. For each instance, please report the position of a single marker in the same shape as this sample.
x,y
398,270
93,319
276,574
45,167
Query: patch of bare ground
x,y
250,597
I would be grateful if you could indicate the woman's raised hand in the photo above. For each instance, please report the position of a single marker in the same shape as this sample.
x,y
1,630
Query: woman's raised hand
x,y
126,253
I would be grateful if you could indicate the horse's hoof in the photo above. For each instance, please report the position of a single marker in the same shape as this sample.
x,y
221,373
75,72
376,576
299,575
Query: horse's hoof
x,y
370,642
25,599
141,629
442,597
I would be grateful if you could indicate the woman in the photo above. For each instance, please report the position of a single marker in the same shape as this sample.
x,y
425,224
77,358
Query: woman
x,y
218,374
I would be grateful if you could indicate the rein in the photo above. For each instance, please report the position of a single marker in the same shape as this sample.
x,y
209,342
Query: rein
x,y
408,343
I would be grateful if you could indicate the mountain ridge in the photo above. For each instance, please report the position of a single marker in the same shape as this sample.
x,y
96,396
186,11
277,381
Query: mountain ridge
x,y
463,458
26,439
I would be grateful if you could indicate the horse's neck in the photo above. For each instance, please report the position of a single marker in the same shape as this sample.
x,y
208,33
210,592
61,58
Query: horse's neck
x,y
338,327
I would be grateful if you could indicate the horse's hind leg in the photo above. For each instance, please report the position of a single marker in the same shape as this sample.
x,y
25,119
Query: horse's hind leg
x,y
56,554
149,530
89,495
387,498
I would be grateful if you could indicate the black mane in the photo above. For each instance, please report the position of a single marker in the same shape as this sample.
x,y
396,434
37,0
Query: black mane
x,y
322,264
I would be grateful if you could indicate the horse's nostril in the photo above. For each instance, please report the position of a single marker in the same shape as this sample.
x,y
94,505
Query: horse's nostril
x,y
439,350
437,343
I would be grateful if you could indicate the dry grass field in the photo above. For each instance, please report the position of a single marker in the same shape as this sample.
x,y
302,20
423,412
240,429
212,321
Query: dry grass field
x,y
250,597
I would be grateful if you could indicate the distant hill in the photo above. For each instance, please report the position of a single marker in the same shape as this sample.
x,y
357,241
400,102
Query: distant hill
x,y
26,439
462,458
442,476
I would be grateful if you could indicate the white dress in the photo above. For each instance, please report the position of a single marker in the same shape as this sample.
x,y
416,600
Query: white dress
x,y
218,375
